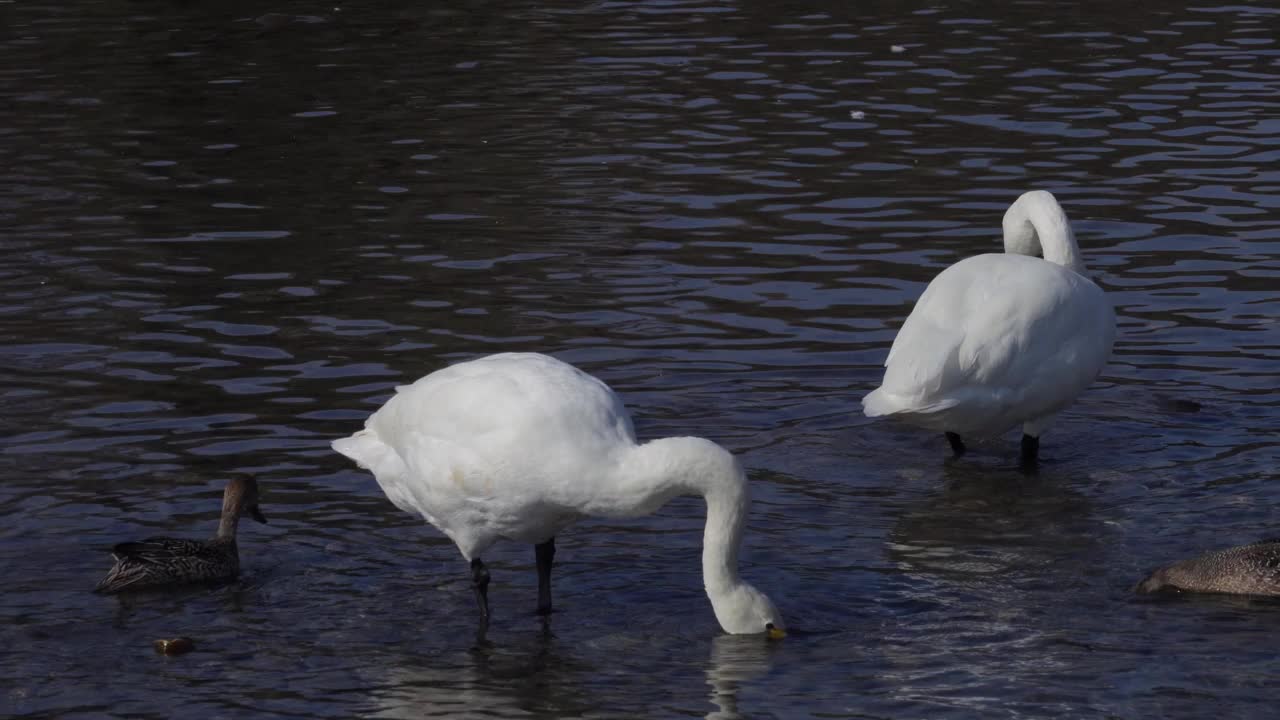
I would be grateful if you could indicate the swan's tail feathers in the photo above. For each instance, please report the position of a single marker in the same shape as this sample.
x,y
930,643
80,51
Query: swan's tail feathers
x,y
876,403
370,453
881,402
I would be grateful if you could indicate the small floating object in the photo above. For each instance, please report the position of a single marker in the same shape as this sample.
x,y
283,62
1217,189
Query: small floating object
x,y
857,114
897,48
174,646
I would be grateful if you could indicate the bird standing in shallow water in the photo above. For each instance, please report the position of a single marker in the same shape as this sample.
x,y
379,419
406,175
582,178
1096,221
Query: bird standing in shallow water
x,y
1252,569
518,446
160,561
1001,339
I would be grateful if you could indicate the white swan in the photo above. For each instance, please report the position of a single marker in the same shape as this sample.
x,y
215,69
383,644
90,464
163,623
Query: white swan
x,y
519,446
1001,339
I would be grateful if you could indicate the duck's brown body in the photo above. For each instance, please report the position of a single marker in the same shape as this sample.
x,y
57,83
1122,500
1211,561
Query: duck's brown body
x,y
161,561
1252,569
171,561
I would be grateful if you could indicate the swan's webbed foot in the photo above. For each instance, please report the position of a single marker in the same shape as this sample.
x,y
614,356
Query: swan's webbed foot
x,y
480,584
957,445
1030,453
546,555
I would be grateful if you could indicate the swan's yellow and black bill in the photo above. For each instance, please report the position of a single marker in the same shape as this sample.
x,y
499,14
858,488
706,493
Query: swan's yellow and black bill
x,y
774,633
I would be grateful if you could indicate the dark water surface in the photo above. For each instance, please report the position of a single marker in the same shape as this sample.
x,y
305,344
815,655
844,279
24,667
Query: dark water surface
x,y
227,236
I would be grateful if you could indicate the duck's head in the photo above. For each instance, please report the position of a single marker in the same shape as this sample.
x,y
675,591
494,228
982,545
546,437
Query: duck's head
x,y
241,495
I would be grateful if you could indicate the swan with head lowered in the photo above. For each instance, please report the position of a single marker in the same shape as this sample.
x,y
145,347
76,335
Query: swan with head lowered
x,y
518,446
999,340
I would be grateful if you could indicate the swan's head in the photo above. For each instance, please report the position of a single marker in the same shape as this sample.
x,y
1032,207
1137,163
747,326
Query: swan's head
x,y
1020,236
1036,220
745,610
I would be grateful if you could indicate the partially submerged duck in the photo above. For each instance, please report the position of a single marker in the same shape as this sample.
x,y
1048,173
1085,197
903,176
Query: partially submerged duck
x,y
1252,569
162,561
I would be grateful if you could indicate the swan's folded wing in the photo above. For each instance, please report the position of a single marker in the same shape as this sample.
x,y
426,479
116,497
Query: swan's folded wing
x,y
1041,342
452,486
917,381
923,365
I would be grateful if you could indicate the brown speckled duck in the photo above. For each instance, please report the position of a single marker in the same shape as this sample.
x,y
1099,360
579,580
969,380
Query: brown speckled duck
x,y
1252,569
162,561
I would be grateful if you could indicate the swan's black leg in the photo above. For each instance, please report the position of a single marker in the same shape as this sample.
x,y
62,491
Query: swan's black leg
x,y
957,445
1030,452
480,583
546,554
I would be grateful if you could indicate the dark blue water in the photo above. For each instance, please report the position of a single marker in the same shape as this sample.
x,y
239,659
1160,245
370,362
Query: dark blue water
x,y
227,236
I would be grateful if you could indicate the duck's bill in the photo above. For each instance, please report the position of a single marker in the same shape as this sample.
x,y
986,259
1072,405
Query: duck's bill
x,y
775,633
257,514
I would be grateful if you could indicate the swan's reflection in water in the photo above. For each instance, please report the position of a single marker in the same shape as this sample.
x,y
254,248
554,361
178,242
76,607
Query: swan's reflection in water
x,y
967,557
735,659
510,677
984,526
541,676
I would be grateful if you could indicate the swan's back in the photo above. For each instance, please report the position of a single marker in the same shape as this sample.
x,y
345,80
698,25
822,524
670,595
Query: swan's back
x,y
995,340
520,401
509,436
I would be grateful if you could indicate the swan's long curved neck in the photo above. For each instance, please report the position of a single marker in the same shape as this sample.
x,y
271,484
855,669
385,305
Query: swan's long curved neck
x,y
1036,224
722,537
653,473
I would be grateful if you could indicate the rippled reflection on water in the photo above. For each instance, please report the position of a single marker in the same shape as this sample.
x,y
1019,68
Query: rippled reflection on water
x,y
229,235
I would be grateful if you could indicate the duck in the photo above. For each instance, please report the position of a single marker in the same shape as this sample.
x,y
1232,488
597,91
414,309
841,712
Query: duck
x,y
1001,339
164,561
519,446
1252,569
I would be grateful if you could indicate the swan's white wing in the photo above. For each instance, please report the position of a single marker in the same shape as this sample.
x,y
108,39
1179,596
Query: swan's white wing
x,y
995,340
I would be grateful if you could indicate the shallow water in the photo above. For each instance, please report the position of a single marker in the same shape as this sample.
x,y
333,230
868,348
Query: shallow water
x,y
228,236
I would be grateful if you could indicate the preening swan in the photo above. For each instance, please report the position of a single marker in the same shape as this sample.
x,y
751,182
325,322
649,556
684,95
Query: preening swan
x,y
998,340
518,446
